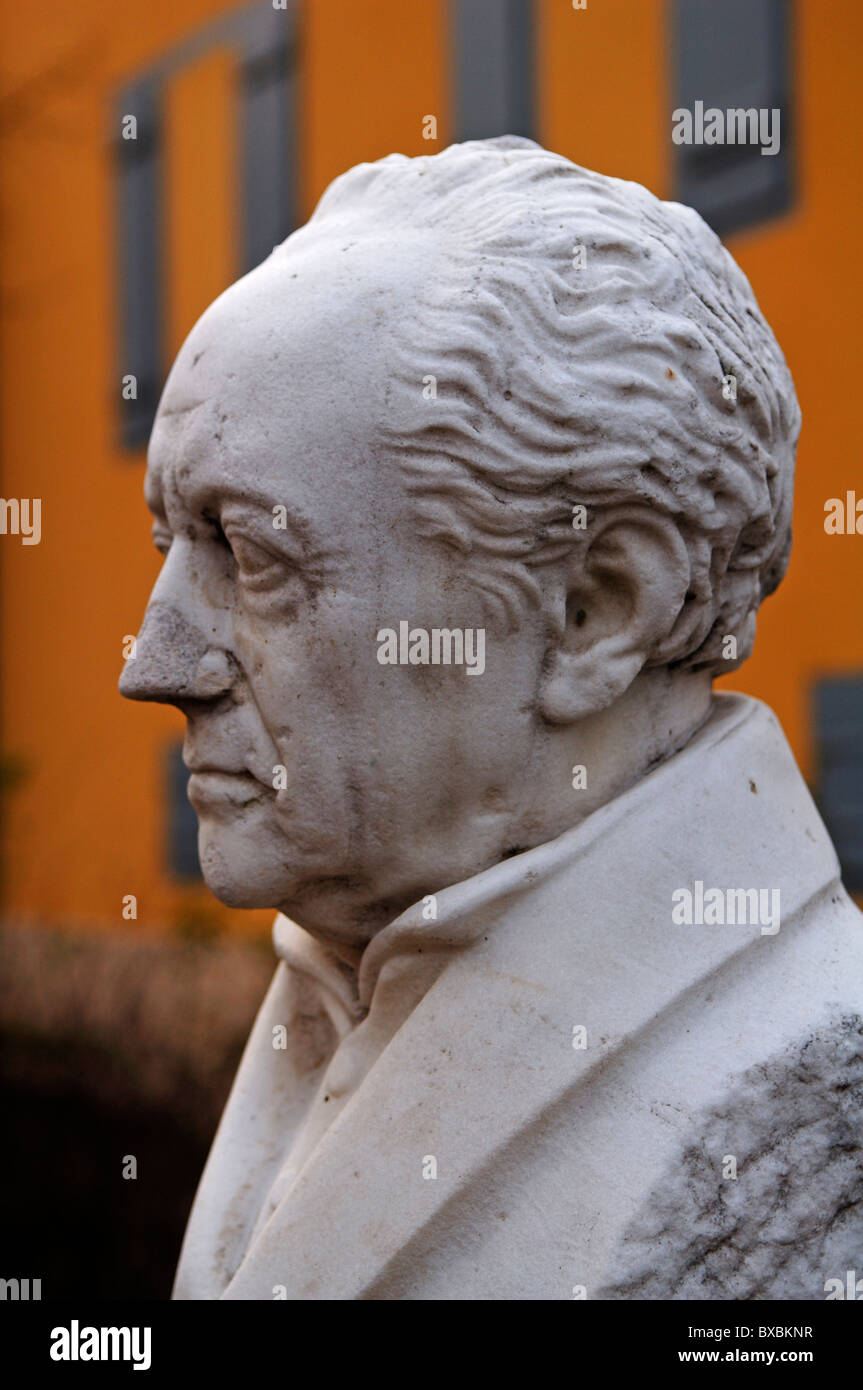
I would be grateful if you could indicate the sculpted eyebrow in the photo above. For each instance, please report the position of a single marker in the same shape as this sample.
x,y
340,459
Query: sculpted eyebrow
x,y
277,519
234,506
217,504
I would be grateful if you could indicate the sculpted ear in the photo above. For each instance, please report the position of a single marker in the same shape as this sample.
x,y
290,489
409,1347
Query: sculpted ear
x,y
607,616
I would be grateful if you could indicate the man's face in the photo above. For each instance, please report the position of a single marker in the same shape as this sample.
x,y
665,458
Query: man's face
x,y
398,779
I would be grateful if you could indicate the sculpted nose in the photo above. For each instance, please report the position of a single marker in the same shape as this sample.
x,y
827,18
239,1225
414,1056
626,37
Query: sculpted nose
x,y
173,662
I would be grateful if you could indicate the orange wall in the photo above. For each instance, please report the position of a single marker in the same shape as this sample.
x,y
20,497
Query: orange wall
x,y
808,276
86,826
373,69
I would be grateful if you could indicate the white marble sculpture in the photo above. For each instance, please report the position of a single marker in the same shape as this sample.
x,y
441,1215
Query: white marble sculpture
x,y
467,493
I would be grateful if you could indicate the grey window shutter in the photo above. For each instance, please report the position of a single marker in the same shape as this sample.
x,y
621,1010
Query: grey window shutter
x,y
735,54
268,133
182,823
839,783
139,252
493,62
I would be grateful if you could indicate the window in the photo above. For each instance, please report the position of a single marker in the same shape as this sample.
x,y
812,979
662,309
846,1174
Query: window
x,y
839,785
733,55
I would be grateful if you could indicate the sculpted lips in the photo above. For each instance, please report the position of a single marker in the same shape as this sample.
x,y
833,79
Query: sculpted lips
x,y
211,785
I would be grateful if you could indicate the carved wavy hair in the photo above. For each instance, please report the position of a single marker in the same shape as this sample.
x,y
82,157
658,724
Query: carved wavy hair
x,y
600,385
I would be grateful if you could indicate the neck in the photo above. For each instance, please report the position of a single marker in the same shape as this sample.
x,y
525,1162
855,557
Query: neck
x,y
653,720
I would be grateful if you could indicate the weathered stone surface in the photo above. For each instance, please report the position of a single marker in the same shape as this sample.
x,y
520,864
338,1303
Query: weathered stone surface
x,y
467,493
793,1218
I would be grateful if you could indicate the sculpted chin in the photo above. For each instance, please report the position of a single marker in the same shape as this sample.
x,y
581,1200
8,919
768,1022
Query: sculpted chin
x,y
500,1058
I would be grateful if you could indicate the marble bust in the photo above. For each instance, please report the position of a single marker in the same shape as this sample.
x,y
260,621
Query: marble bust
x,y
467,494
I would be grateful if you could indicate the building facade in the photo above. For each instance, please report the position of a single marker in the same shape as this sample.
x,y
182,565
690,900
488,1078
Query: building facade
x,y
154,155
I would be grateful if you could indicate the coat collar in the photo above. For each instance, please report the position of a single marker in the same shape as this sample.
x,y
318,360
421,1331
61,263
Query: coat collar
x,y
466,1037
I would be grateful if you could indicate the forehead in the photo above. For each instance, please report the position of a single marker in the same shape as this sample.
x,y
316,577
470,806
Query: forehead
x,y
285,376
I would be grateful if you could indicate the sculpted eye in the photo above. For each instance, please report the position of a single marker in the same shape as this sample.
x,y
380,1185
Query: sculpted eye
x,y
259,568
